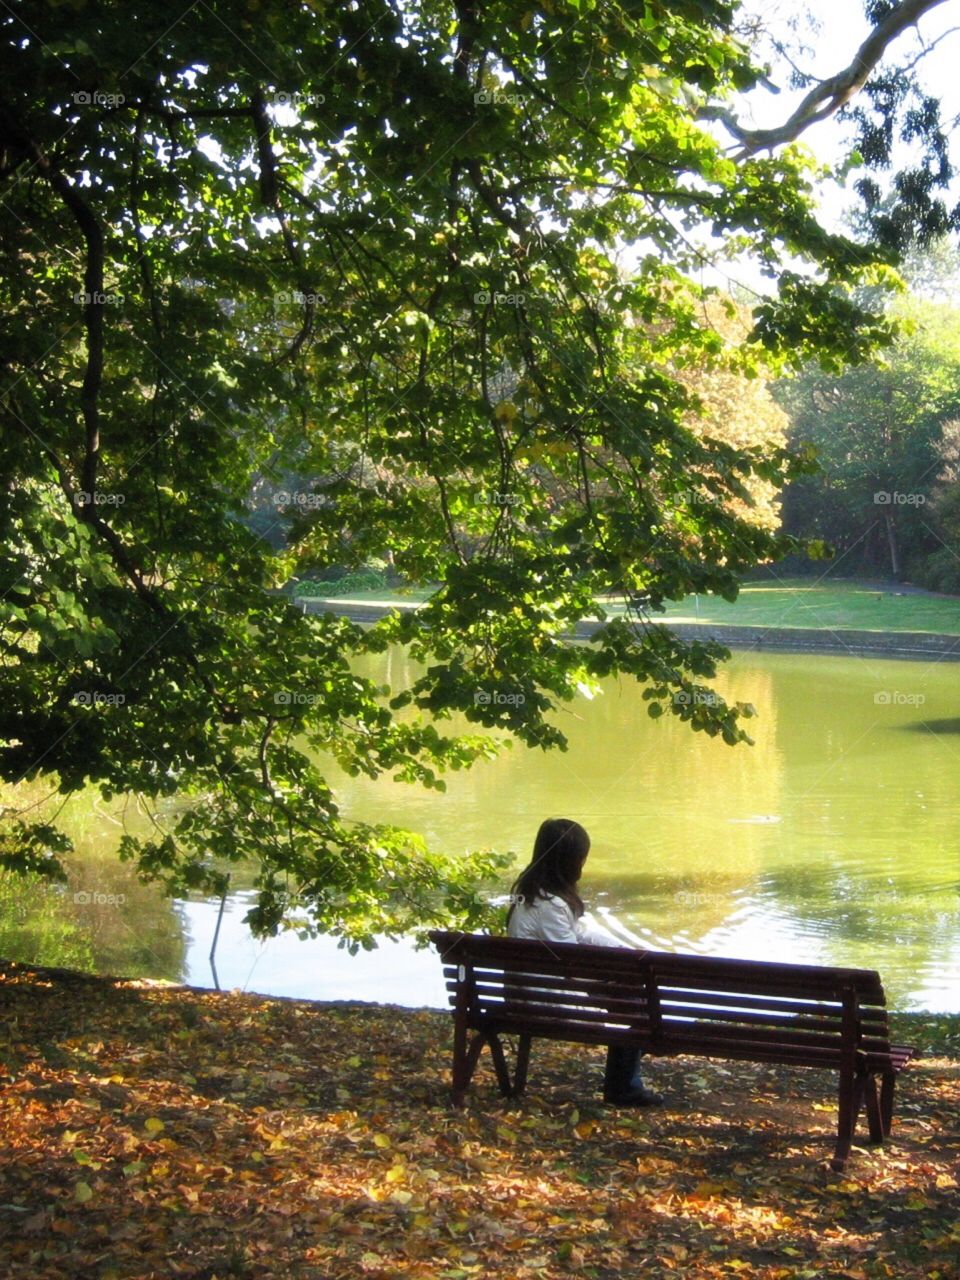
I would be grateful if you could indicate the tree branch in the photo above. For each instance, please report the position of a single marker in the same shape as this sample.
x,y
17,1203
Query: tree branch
x,y
828,96
92,234
270,194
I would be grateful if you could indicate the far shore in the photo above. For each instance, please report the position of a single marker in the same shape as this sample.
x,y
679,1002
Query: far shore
x,y
917,645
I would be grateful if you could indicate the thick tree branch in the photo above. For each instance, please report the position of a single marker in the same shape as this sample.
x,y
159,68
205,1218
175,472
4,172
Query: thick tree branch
x,y
270,194
828,96
94,300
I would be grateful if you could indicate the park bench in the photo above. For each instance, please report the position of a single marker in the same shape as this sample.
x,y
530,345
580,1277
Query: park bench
x,y
666,1004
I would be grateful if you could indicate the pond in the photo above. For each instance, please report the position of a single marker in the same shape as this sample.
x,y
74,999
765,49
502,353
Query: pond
x,y
833,840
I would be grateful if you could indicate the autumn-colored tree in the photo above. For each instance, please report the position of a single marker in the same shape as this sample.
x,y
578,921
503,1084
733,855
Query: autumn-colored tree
x,y
736,406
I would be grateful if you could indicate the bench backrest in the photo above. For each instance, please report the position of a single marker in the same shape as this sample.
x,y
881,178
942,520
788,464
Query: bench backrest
x,y
607,995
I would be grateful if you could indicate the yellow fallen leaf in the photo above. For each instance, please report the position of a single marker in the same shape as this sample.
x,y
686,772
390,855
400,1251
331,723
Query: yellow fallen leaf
x,y
83,1192
381,1140
154,1125
704,1190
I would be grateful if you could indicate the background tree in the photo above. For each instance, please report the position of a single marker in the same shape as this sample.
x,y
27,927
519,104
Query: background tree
x,y
876,430
736,405
941,570
271,237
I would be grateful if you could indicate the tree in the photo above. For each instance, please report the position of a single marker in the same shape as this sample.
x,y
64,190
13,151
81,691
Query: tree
x,y
737,409
876,431
942,568
373,243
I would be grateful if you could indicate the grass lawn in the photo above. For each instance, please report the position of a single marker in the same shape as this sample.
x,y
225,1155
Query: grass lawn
x,y
793,602
387,595
850,605
154,1132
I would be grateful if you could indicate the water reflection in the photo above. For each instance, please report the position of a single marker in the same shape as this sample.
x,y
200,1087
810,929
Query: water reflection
x,y
934,726
834,840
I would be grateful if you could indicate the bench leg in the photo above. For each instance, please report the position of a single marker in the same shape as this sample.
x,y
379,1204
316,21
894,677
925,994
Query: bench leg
x,y
466,1057
523,1062
464,1065
874,1118
500,1064
849,1101
887,1085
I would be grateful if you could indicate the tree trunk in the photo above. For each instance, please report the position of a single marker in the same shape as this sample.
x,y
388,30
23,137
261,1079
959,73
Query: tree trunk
x,y
891,528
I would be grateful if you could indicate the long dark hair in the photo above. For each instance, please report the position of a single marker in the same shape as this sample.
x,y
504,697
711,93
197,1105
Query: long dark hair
x,y
559,852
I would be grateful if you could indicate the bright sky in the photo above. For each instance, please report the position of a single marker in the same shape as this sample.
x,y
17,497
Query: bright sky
x,y
823,36
832,30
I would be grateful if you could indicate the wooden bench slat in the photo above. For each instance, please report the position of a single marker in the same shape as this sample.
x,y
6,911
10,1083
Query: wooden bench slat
x,y
789,986
551,981
671,965
708,1019
788,1004
576,1013
554,995
698,1021
900,1054
507,950
596,1033
700,1032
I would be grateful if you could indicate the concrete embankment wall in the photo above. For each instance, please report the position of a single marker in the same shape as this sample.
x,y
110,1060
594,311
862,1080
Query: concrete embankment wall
x,y
880,644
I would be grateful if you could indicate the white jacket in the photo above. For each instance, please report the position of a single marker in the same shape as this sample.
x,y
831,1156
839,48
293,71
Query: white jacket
x,y
550,919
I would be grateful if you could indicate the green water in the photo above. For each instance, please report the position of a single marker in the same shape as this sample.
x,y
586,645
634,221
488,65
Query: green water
x,y
833,840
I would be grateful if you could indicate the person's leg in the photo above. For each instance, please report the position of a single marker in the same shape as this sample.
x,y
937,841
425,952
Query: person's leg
x,y
623,1082
618,1074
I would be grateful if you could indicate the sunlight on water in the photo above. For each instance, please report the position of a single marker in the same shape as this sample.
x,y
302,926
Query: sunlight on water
x,y
834,840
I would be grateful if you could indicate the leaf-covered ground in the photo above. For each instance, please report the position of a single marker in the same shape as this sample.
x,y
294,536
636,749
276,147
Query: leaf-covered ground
x,y
151,1131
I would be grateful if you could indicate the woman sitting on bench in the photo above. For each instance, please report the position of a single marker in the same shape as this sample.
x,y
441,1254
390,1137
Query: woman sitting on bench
x,y
546,907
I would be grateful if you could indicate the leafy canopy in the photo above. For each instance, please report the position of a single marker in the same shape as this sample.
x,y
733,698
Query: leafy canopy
x,y
375,245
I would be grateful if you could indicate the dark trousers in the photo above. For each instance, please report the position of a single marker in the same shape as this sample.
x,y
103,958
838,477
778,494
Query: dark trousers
x,y
622,1070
